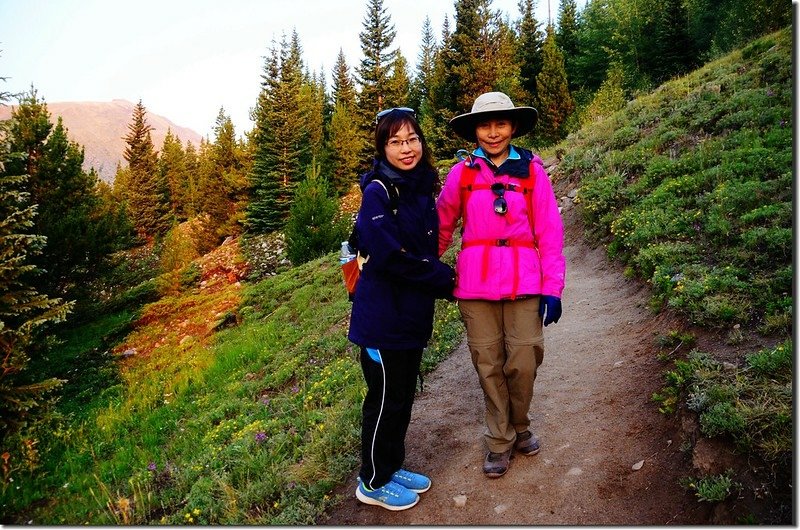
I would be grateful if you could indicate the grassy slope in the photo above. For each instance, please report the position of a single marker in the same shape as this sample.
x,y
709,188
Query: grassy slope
x,y
691,188
255,424
249,425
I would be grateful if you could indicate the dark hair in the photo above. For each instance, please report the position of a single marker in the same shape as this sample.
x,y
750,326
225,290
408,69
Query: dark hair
x,y
388,126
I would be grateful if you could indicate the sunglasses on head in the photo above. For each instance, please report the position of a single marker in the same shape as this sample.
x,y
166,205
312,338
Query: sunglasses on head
x,y
500,204
383,113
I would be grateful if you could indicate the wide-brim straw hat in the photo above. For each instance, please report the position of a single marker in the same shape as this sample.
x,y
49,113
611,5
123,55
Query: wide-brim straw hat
x,y
493,104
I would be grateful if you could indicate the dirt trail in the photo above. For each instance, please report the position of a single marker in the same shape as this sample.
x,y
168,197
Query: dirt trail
x,y
591,410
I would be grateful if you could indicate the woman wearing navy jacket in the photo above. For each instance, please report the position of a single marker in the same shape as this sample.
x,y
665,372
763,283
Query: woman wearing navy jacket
x,y
392,318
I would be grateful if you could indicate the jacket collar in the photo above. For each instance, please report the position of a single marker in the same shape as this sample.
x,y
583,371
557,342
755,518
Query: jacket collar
x,y
516,165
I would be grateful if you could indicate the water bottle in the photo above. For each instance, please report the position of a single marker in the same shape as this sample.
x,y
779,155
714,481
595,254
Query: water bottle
x,y
345,255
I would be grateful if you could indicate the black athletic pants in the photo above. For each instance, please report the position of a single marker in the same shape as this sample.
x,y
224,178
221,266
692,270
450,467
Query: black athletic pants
x,y
386,412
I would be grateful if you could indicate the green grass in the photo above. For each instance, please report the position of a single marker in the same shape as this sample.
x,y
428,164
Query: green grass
x,y
253,425
691,187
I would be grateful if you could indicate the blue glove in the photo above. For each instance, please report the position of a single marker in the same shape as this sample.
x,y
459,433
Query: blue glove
x,y
552,305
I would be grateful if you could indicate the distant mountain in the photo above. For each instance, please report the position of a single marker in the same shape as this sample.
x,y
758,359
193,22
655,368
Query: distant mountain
x,y
100,127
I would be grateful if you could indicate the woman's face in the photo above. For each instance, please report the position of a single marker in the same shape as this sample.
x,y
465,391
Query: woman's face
x,y
494,137
404,149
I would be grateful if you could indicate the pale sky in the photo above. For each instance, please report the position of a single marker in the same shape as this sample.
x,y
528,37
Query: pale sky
x,y
187,58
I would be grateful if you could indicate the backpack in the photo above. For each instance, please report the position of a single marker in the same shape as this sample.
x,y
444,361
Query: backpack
x,y
351,268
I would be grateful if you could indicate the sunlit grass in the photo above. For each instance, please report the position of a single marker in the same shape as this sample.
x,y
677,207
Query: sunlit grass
x,y
254,424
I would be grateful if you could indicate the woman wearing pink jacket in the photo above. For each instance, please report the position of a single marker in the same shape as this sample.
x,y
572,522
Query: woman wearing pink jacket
x,y
510,270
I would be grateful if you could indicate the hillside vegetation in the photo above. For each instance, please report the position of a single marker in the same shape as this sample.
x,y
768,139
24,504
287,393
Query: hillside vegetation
x,y
183,421
691,188
210,396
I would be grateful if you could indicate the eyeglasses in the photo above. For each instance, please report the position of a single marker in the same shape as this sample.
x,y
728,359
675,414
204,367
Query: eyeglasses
x,y
395,143
383,113
500,204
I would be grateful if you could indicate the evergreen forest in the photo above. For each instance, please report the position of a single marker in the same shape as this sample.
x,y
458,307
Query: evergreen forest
x,y
88,268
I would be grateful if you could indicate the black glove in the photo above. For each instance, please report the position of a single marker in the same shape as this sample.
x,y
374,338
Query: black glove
x,y
446,282
448,291
552,306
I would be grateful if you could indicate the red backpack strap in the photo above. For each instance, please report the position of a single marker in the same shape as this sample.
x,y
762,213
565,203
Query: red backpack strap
x,y
529,186
466,186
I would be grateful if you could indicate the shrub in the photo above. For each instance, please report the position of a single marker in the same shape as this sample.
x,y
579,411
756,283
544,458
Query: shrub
x,y
313,229
715,488
178,249
752,405
771,361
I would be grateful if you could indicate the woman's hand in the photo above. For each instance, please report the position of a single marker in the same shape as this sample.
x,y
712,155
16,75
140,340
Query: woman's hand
x,y
551,306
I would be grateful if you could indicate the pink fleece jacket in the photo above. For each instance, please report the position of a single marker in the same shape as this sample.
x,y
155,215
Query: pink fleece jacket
x,y
534,264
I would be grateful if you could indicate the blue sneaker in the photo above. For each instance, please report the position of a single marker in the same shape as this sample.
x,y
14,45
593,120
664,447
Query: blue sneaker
x,y
391,496
412,481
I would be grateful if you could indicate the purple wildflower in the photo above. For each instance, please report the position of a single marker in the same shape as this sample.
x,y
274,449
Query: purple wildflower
x,y
265,400
295,389
152,466
261,436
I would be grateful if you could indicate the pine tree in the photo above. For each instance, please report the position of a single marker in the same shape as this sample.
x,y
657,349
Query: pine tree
x,y
110,222
191,200
147,204
66,199
343,89
438,111
595,38
345,141
286,118
398,84
674,48
119,188
478,57
172,167
610,97
567,38
737,22
313,100
223,186
419,93
466,61
263,211
313,229
502,54
635,26
30,127
555,102
376,39
24,312
345,148
529,49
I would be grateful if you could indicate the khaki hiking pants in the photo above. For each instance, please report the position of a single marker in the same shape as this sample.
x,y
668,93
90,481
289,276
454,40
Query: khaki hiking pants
x,y
507,346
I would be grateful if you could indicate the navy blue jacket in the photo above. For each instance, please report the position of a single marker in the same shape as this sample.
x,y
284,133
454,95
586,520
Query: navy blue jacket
x,y
394,299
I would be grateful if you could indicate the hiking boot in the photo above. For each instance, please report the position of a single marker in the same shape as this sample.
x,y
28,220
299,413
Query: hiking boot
x,y
496,464
391,496
412,481
527,443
